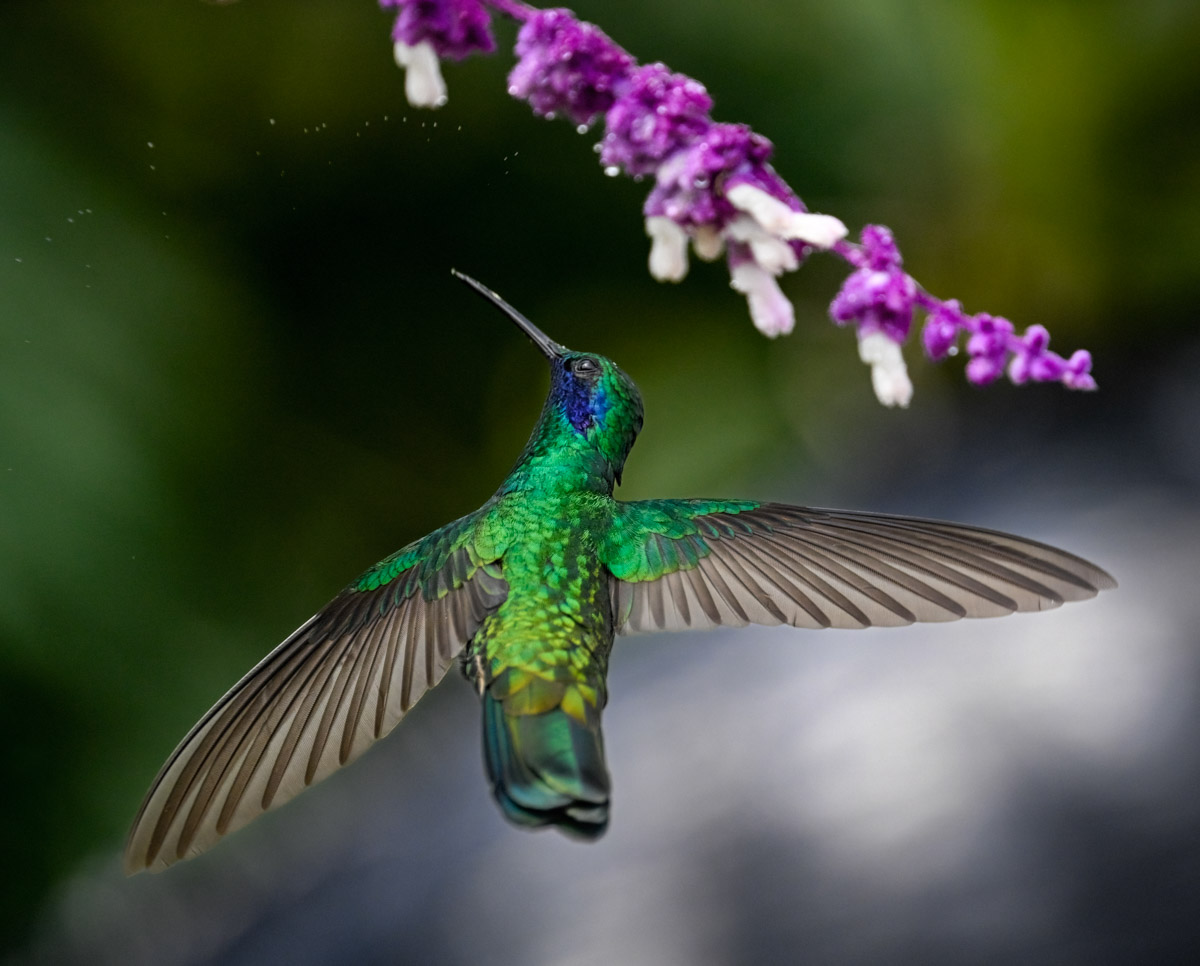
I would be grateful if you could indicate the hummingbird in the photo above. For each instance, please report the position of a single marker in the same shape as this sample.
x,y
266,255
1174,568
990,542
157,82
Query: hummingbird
x,y
528,592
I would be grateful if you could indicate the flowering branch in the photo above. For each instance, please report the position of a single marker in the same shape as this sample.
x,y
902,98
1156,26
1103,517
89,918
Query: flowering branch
x,y
715,189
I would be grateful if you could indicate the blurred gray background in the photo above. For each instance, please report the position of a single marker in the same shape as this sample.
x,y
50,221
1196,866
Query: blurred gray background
x,y
235,370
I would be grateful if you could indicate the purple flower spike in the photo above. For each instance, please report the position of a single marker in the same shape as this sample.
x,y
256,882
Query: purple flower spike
x,y
942,328
657,114
567,67
715,191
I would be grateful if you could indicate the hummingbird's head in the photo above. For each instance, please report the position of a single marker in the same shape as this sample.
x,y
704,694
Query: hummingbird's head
x,y
598,401
589,395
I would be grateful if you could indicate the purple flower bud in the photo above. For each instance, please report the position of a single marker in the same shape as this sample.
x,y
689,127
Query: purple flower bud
x,y
657,114
879,249
991,335
878,297
454,28
988,347
1078,371
1035,340
1031,360
567,67
983,370
942,328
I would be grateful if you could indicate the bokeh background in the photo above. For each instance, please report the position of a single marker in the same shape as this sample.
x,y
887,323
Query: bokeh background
x,y
235,370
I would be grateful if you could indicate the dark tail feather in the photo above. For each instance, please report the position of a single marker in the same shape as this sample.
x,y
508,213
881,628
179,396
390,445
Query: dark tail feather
x,y
547,769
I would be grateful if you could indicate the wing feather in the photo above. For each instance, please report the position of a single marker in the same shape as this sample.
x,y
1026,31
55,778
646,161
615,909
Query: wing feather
x,y
705,563
342,680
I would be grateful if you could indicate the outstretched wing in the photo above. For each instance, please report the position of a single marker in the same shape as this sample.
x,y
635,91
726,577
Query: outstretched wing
x,y
681,564
344,679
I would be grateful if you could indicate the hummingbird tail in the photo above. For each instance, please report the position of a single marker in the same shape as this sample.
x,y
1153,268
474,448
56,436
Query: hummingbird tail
x,y
547,767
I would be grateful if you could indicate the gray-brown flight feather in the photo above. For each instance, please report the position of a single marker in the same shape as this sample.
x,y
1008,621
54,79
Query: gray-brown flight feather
x,y
777,564
342,680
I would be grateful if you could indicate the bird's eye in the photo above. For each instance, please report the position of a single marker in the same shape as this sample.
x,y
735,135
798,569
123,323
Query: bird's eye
x,y
584,366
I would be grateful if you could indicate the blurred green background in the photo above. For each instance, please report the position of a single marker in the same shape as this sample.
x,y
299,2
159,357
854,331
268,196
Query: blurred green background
x,y
235,370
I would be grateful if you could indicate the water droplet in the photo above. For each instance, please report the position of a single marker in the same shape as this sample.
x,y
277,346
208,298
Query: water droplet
x,y
581,129
441,101
952,351
612,171
701,182
149,144
272,120
71,220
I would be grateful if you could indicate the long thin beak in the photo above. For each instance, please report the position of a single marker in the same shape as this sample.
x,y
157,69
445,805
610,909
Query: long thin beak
x,y
549,347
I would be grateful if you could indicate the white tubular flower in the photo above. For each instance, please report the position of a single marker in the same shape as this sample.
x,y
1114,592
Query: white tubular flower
x,y
770,310
777,219
770,252
423,83
707,243
820,231
668,249
889,375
